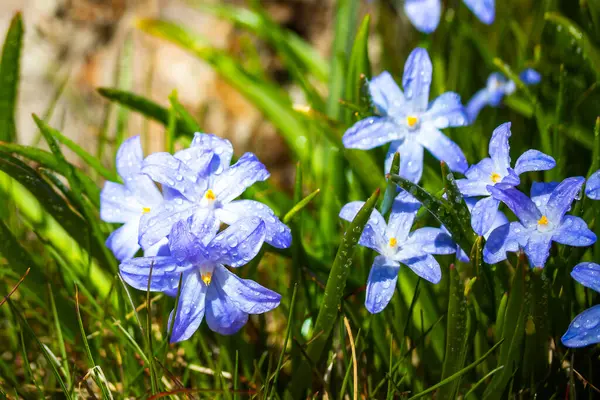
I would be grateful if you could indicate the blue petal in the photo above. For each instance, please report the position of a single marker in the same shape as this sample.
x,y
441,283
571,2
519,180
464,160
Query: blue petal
x,y
530,76
159,249
241,175
198,160
417,80
278,234
540,193
373,234
220,147
483,9
123,242
483,215
385,94
372,132
592,187
222,315
247,295
411,159
588,274
172,172
118,204
538,248
476,104
499,149
520,204
165,272
157,224
238,244
506,238
183,245
129,158
426,267
573,231
426,240
443,149
499,220
562,197
533,160
204,224
584,329
424,14
447,111
479,176
381,284
191,307
404,211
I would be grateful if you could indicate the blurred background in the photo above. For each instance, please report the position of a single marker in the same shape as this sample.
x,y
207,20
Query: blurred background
x,y
74,47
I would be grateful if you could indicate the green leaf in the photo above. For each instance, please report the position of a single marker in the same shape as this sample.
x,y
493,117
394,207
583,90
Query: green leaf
x,y
20,260
266,96
359,68
9,78
513,332
334,291
91,217
47,160
144,106
459,333
52,202
443,210
578,39
89,159
300,206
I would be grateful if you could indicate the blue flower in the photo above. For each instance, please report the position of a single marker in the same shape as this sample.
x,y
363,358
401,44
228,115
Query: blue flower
x,y
425,14
585,328
498,220
409,121
497,87
127,203
200,186
396,245
208,288
592,187
542,220
496,170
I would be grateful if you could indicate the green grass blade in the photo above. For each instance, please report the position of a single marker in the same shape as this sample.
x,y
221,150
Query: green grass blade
x,y
458,374
513,333
300,206
458,335
50,359
9,78
334,291
144,106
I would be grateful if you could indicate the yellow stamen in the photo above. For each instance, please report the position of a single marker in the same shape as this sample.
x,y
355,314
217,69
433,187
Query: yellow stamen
x,y
543,220
393,242
496,177
207,278
210,195
412,121
145,210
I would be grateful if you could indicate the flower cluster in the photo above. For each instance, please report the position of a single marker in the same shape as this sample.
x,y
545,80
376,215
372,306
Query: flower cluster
x,y
180,231
410,123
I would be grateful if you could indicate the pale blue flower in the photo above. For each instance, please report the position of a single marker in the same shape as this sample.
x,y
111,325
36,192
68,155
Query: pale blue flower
x,y
396,245
584,330
409,121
